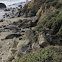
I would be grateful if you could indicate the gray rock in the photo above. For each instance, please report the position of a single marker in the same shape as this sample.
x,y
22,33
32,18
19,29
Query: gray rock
x,y
10,58
0,46
2,5
7,9
11,36
1,20
25,23
42,41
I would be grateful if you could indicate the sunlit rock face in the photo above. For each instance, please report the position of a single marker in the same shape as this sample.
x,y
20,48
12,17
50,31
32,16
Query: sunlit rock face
x,y
2,5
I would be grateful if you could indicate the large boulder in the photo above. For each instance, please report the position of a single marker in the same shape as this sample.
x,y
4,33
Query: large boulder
x,y
22,47
2,5
25,45
42,41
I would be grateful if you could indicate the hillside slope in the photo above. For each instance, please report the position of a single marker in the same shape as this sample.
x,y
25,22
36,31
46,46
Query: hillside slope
x,y
47,20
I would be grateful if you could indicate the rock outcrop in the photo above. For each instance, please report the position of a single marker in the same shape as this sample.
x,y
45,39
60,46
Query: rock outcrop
x,y
2,5
42,41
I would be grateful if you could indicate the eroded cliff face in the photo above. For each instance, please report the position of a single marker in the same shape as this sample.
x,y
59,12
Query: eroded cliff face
x,y
32,7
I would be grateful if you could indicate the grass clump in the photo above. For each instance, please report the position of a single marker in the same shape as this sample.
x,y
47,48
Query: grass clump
x,y
57,24
60,31
52,25
58,5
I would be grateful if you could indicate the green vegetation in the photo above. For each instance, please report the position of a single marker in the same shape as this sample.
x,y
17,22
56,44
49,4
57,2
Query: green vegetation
x,y
60,31
48,54
58,5
34,6
55,23
51,25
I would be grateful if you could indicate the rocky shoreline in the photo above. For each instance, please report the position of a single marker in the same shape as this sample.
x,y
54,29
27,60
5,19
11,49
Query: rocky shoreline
x,y
9,30
9,33
15,34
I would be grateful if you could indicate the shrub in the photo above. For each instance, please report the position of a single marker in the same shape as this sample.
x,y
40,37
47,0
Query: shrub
x,y
54,3
48,54
58,5
56,25
48,5
60,31
49,23
47,1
